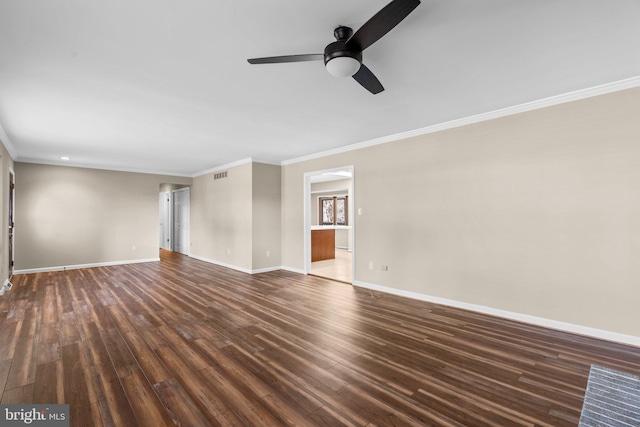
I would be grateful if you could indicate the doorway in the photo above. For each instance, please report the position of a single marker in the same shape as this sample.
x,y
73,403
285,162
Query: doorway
x,y
165,220
320,188
173,214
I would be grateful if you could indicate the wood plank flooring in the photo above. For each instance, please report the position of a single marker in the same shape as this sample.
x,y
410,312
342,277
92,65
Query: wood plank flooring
x,y
182,342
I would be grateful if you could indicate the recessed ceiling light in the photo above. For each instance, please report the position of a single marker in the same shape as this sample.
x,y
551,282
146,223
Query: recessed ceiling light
x,y
65,158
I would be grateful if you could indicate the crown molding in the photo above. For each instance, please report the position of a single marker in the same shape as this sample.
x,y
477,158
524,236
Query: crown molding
x,y
223,167
234,164
71,164
529,106
7,144
509,111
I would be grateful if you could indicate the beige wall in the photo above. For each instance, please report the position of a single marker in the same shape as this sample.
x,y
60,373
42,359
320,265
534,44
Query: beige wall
x,y
6,164
221,218
536,213
74,216
266,216
236,220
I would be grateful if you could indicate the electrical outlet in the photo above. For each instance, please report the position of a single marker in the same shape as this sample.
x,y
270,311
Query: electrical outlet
x,y
228,251
370,265
268,254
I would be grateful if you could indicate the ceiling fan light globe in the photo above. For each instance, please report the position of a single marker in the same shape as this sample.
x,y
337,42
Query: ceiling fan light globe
x,y
343,66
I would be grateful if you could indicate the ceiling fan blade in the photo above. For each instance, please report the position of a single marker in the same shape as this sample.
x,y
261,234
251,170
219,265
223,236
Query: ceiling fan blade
x,y
381,23
287,58
365,77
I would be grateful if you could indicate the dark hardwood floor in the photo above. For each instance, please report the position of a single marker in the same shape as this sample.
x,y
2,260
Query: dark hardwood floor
x,y
189,343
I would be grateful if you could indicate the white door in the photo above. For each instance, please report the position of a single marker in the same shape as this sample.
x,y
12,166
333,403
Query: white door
x,y
165,221
181,221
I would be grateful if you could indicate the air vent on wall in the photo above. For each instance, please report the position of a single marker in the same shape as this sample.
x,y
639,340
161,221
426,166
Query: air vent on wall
x,y
220,175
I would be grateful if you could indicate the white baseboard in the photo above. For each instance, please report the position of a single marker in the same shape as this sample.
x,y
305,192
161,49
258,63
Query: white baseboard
x,y
77,266
222,264
292,269
525,318
265,270
242,269
137,261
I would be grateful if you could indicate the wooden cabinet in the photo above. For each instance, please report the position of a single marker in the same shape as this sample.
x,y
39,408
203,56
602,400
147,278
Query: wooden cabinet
x,y
323,244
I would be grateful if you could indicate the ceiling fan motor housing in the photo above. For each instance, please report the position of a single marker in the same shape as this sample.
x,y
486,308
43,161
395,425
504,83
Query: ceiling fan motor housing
x,y
339,49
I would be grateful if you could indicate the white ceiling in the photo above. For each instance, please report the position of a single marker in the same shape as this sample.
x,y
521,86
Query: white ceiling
x,y
164,85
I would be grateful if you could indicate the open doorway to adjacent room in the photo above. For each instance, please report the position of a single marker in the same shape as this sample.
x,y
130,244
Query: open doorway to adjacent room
x,y
174,213
329,226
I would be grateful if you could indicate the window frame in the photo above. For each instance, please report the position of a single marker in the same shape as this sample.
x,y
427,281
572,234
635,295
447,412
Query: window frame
x,y
333,200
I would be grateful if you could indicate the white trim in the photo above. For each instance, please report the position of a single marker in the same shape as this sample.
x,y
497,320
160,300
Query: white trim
x,y
7,144
246,270
138,261
292,269
188,225
223,167
222,264
265,270
100,167
306,223
529,106
522,108
234,164
135,170
12,201
77,266
168,218
330,193
525,318
266,162
307,227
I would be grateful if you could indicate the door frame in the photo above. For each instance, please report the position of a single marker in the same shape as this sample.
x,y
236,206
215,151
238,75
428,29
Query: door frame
x,y
187,226
11,213
167,220
308,212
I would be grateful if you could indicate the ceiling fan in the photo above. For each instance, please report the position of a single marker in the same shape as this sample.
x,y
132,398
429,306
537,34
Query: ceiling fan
x,y
343,58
